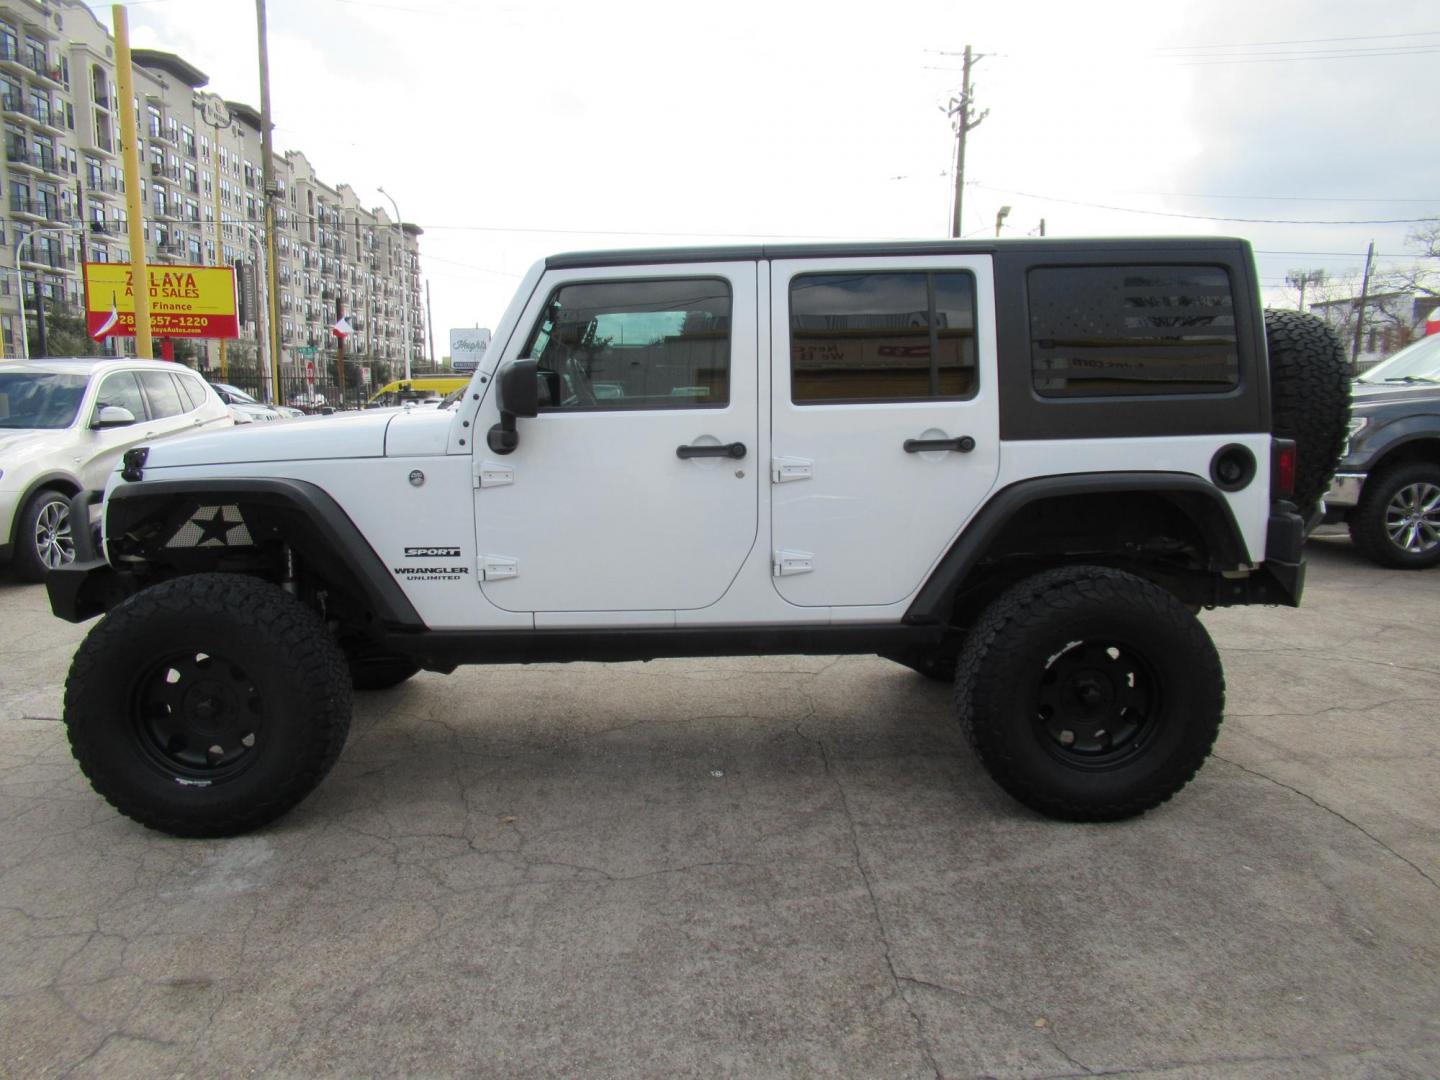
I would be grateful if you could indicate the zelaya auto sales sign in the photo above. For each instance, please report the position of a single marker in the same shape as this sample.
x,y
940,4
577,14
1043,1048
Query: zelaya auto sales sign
x,y
185,301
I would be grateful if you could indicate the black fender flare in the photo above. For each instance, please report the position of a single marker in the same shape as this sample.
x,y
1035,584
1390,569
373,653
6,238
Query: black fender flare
x,y
1201,501
316,527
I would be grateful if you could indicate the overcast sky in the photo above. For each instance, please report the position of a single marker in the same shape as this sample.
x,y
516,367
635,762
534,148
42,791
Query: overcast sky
x,y
517,128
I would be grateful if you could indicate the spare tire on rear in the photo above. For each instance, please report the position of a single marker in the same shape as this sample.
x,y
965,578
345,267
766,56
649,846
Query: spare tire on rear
x,y
1309,398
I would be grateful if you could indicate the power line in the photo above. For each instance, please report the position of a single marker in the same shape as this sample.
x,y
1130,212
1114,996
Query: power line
x,y
1299,41
1204,217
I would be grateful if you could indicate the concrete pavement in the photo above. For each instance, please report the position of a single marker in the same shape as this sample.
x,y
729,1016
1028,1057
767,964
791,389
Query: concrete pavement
x,y
776,867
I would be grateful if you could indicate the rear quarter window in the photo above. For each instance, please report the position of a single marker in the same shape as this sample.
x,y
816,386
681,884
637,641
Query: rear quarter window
x,y
1115,331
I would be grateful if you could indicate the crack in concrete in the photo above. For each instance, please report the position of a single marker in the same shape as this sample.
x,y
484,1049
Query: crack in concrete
x,y
1332,709
1312,654
895,977
1330,810
1316,1060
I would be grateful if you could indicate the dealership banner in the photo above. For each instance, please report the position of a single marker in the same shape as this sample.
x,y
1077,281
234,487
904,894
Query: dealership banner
x,y
185,301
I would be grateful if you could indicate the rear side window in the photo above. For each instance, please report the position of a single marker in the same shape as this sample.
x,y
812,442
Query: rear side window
x,y
1111,331
192,389
634,345
161,393
902,336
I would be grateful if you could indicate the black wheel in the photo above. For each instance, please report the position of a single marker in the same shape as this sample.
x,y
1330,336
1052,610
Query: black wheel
x,y
1309,398
935,664
1090,694
1398,520
379,672
44,538
207,705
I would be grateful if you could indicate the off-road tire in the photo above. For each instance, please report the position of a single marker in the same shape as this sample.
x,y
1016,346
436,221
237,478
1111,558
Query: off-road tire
x,y
225,658
1055,632
1309,398
27,563
379,672
1370,530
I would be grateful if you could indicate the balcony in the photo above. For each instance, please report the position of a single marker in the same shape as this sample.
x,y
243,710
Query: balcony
x,y
27,207
51,260
42,67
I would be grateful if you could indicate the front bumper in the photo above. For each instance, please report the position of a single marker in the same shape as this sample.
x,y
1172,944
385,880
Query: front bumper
x,y
9,507
89,586
1345,490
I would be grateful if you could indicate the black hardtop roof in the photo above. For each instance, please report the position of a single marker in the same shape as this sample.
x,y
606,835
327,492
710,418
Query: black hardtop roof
x,y
1069,246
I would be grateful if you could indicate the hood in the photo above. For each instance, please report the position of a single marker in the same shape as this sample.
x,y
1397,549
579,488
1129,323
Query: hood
x,y
419,432
1364,395
17,445
344,435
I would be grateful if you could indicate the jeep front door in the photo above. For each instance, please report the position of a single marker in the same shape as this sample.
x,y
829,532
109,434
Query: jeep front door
x,y
635,488
883,408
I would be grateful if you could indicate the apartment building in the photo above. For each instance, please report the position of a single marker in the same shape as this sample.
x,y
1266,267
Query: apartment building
x,y
200,159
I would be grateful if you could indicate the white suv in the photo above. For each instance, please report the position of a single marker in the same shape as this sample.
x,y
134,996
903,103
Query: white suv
x,y
64,423
1019,467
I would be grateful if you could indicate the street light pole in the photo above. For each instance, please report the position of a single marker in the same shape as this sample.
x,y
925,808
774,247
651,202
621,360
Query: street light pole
x,y
404,281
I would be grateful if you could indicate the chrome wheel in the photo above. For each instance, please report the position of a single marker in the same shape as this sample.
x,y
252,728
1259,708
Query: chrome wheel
x,y
1412,518
54,541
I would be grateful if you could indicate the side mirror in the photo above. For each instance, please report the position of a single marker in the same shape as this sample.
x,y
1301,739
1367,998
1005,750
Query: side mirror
x,y
113,416
517,392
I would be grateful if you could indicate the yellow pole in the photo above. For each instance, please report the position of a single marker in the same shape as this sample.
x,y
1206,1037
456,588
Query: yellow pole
x,y
134,206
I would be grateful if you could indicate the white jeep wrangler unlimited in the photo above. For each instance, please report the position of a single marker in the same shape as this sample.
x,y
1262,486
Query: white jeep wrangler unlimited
x,y
1020,466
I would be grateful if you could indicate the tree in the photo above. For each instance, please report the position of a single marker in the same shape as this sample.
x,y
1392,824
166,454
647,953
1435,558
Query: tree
x,y
1424,278
66,333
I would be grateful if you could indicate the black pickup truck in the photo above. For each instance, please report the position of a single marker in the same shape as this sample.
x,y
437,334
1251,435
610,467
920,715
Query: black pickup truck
x,y
1387,486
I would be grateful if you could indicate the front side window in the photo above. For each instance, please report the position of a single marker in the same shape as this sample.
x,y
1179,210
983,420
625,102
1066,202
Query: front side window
x,y
661,344
1112,331
121,389
891,336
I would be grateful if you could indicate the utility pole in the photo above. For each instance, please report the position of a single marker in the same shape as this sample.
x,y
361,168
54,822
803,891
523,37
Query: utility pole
x,y
1360,311
430,321
1299,279
267,144
964,121
130,149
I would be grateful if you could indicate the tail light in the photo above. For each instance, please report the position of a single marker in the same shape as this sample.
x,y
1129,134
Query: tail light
x,y
1284,460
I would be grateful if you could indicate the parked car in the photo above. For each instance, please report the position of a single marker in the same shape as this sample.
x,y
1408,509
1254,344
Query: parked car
x,y
244,409
1002,465
1387,487
64,423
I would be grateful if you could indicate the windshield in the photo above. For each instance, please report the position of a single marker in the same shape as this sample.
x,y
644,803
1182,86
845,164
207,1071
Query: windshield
x,y
1419,362
35,400
235,392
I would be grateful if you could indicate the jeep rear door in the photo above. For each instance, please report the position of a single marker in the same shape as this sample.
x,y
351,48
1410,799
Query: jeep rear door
x,y
884,420
636,487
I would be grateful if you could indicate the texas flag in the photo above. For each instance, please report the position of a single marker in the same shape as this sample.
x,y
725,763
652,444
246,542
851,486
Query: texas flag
x,y
1432,322
110,321
342,329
